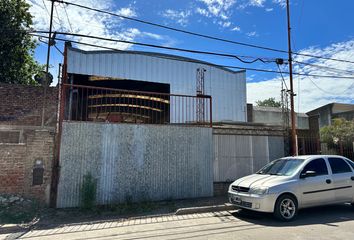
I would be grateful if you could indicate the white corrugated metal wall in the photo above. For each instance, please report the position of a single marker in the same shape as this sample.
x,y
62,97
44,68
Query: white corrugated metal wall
x,y
227,88
236,156
137,162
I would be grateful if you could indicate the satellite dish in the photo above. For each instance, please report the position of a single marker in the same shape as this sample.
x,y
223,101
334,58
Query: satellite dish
x,y
43,78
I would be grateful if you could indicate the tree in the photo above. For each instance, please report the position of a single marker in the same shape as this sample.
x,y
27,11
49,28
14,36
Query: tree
x,y
17,64
340,130
270,102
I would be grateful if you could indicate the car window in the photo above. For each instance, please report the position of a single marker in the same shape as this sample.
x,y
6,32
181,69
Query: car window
x,y
281,167
351,163
317,165
338,165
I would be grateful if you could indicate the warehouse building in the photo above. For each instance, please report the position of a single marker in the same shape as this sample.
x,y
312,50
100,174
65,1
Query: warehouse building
x,y
159,79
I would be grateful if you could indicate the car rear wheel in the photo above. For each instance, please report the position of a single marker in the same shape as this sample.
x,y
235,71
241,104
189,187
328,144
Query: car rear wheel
x,y
285,208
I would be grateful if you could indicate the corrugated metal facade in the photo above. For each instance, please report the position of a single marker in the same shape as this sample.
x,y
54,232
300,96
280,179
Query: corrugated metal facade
x,y
236,156
227,88
137,162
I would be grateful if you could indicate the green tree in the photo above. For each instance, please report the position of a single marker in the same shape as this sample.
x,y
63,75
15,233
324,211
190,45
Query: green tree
x,y
270,102
17,64
341,131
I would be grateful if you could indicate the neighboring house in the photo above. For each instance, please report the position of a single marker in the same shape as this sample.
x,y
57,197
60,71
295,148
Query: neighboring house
x,y
274,116
323,115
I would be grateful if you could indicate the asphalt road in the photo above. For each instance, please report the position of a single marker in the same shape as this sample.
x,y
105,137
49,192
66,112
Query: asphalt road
x,y
332,222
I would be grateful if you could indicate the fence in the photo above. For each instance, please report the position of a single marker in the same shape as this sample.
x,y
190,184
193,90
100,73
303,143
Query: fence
x,y
87,103
313,145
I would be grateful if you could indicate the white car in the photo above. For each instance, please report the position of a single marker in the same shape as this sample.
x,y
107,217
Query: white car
x,y
288,184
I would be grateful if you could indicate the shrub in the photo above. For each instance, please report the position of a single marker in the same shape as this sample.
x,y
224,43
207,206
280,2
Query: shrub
x,y
88,192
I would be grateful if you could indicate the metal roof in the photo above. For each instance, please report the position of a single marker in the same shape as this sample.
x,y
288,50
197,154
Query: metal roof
x,y
158,55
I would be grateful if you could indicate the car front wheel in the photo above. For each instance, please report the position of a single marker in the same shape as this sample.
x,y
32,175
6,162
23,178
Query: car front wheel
x,y
286,208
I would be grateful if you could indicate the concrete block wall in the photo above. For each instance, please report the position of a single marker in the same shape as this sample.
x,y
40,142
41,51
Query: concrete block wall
x,y
17,161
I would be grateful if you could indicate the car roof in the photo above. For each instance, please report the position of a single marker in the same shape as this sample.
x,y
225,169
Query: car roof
x,y
305,157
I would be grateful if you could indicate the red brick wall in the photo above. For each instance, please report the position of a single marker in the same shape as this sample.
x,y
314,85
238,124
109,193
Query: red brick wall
x,y
17,162
22,105
20,111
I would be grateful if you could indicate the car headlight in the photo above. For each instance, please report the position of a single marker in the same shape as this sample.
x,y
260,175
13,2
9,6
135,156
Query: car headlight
x,y
259,190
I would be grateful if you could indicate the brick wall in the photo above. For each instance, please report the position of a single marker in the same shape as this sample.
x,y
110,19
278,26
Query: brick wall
x,y
23,142
17,162
22,105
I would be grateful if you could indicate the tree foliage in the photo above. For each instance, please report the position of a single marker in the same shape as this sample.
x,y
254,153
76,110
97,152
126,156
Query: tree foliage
x,y
17,64
270,102
340,131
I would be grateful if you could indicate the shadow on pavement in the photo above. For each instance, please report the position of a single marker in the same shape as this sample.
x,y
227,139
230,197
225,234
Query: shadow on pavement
x,y
328,215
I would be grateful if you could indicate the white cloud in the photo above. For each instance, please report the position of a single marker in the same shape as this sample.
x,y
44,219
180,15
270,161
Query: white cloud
x,y
127,12
180,17
313,91
218,8
203,12
269,9
252,34
257,3
237,29
224,24
88,22
281,3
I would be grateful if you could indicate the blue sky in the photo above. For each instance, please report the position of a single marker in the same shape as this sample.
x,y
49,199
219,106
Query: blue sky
x,y
318,27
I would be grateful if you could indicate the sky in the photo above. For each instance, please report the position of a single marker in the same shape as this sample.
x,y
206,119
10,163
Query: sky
x,y
322,28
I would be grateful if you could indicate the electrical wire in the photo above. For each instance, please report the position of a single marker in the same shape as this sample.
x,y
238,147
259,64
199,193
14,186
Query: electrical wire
x,y
281,74
40,39
161,47
45,7
56,11
195,61
67,17
198,34
324,67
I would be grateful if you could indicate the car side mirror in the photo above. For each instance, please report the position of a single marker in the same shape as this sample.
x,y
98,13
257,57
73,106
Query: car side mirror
x,y
307,174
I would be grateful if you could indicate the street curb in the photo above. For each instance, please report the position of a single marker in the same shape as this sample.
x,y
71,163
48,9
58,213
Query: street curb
x,y
214,208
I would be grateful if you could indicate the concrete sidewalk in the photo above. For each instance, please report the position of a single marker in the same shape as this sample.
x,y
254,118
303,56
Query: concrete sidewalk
x,y
329,223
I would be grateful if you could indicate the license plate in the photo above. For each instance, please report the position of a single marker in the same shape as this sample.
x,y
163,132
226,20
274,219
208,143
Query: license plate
x,y
237,200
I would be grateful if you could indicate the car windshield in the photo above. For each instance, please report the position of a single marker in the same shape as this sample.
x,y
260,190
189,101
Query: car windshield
x,y
281,167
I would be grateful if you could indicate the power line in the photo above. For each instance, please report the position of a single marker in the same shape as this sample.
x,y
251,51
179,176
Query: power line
x,y
161,47
198,34
56,11
324,67
331,93
195,61
46,9
54,46
281,74
67,17
45,6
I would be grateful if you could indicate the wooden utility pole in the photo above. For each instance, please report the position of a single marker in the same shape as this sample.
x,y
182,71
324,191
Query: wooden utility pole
x,y
292,111
45,81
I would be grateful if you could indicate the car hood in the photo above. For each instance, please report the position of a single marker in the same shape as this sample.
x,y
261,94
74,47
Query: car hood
x,y
258,180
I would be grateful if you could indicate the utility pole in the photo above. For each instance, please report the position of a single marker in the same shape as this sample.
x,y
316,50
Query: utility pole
x,y
293,126
47,64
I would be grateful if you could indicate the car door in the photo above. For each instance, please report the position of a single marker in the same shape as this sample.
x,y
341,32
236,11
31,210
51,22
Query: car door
x,y
316,190
343,179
